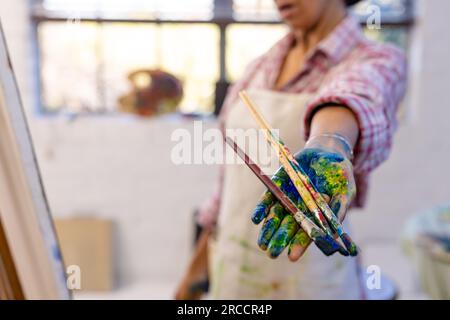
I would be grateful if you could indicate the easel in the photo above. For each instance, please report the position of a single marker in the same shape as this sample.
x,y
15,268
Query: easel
x,y
10,288
31,266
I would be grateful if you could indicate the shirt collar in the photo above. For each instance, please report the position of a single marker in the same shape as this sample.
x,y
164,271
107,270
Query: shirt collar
x,y
335,46
341,41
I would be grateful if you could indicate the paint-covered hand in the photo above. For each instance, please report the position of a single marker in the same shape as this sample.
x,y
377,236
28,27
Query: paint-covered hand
x,y
326,161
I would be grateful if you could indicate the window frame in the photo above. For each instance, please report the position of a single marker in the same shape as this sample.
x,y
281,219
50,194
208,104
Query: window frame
x,y
222,19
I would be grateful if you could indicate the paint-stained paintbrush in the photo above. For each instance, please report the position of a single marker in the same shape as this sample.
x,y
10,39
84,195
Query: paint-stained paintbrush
x,y
276,145
323,241
312,198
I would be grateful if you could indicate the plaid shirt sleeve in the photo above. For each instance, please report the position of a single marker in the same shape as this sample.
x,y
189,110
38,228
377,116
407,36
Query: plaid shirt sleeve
x,y
371,83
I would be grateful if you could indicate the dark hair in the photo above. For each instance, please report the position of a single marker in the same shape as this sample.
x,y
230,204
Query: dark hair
x,y
349,3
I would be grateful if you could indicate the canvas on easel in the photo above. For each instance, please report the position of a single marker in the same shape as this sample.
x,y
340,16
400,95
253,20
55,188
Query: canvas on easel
x,y
31,266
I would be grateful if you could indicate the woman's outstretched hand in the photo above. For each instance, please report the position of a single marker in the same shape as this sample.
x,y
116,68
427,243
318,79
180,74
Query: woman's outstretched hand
x,y
326,161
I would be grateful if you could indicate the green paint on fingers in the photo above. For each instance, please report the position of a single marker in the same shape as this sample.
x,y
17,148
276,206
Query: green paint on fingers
x,y
271,224
283,236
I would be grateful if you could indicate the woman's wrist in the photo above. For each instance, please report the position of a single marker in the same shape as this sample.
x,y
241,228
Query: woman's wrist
x,y
335,127
333,142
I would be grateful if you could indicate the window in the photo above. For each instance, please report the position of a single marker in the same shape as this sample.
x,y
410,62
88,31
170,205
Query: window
x,y
85,66
88,47
239,54
396,18
254,10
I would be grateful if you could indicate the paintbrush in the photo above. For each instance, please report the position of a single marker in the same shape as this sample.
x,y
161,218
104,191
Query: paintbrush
x,y
278,147
323,241
312,198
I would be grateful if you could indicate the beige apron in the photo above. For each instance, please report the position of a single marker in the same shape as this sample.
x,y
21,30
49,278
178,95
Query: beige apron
x,y
238,268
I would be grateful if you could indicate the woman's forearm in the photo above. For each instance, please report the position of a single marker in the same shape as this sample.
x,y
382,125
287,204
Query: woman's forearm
x,y
336,120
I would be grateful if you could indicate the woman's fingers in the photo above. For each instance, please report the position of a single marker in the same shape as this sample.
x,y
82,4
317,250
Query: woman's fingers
x,y
298,245
338,205
301,241
282,236
263,206
273,221
325,197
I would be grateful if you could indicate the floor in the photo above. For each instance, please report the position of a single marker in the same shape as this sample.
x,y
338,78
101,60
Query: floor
x,y
385,254
146,290
395,265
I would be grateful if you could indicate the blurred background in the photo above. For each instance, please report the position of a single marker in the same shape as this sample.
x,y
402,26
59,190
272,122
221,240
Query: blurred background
x,y
105,82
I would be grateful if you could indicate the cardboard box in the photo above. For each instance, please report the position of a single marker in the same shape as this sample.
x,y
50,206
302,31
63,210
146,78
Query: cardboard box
x,y
87,243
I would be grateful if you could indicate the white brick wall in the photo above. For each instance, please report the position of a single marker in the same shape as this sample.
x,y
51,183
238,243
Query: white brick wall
x,y
120,168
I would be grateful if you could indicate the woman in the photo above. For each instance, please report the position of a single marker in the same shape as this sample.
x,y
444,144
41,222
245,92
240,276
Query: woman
x,y
333,95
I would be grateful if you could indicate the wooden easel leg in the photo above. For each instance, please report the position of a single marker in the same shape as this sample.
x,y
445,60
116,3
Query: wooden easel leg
x,y
10,288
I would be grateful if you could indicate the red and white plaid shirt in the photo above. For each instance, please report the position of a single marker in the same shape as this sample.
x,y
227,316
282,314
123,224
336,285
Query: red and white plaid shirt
x,y
346,69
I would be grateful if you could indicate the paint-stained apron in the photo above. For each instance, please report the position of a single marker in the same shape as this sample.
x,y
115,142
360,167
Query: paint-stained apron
x,y
239,269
